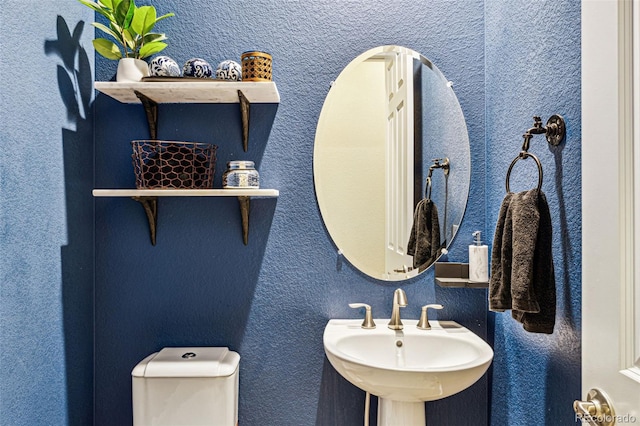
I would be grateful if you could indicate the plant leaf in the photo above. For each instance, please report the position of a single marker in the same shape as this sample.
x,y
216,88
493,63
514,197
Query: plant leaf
x,y
107,48
107,30
144,19
97,8
124,13
120,8
130,13
116,29
130,39
107,3
152,48
117,32
150,37
166,15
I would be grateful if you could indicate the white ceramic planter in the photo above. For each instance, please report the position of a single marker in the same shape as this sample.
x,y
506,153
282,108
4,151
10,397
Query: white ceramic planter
x,y
131,69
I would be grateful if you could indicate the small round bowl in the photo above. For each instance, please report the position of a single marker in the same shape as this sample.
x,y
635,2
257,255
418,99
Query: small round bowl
x,y
229,70
197,67
164,66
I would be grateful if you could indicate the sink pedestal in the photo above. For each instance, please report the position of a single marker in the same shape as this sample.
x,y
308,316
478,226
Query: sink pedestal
x,y
393,413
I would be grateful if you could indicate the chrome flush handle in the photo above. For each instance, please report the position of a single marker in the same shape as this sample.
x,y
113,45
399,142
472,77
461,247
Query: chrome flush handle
x,y
368,318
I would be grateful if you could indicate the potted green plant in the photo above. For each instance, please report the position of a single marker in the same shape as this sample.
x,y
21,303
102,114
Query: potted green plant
x,y
132,29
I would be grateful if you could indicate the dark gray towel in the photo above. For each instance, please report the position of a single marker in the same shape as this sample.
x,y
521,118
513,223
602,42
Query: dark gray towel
x,y
522,274
424,240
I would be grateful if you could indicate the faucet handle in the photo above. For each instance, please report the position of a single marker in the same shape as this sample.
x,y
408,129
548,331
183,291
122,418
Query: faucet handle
x,y
423,324
368,318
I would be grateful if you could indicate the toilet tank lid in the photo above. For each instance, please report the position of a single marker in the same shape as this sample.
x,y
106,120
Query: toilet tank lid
x,y
188,362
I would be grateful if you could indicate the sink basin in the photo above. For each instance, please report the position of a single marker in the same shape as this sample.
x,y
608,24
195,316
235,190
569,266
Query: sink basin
x,y
409,365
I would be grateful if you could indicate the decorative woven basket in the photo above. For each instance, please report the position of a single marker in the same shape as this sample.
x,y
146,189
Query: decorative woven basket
x,y
172,164
256,66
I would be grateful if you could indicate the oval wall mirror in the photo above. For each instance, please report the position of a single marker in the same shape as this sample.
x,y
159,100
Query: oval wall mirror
x,y
391,163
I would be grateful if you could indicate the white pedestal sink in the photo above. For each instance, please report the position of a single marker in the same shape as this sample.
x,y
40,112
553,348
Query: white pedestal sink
x,y
405,368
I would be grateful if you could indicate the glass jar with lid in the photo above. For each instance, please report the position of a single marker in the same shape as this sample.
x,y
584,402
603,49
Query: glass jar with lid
x,y
241,174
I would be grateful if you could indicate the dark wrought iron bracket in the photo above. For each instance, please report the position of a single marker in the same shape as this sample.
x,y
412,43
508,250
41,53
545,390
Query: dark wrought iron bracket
x,y
151,110
555,131
244,214
150,205
245,107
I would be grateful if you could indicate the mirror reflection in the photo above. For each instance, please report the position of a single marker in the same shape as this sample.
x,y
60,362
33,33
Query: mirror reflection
x,y
391,163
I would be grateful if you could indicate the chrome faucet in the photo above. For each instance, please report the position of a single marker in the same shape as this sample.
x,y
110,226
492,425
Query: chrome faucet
x,y
399,301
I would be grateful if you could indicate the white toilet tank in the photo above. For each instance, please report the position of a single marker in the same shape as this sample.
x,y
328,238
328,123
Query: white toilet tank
x,y
186,387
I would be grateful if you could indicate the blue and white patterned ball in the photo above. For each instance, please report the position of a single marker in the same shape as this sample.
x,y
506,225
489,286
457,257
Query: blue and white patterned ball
x,y
229,70
197,67
164,66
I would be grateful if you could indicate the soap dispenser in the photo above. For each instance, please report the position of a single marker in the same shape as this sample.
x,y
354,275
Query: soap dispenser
x,y
478,260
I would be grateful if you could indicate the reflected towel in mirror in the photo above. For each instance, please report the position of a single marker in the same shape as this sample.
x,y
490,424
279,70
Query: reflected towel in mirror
x,y
424,240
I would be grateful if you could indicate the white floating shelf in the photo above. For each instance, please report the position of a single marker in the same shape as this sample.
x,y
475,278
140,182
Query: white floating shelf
x,y
262,193
191,91
195,90
149,200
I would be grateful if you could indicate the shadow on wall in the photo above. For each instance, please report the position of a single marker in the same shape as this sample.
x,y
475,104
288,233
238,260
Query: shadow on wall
x,y
340,402
567,249
559,401
75,85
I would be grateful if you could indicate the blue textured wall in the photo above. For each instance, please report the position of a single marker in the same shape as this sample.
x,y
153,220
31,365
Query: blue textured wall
x,y
271,299
46,215
533,68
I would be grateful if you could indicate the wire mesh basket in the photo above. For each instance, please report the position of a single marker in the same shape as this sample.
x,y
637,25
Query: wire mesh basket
x,y
172,164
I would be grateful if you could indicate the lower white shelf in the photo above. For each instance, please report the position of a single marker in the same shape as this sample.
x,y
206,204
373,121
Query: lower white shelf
x,y
149,200
264,193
